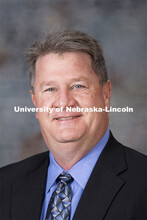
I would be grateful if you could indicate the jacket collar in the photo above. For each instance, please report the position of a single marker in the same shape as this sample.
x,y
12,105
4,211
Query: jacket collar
x,y
104,183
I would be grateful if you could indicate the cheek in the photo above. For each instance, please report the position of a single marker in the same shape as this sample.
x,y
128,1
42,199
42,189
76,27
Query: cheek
x,y
84,100
94,121
44,120
91,101
43,101
90,98
98,100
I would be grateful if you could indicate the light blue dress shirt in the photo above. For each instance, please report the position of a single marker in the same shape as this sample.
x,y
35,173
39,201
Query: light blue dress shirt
x,y
80,172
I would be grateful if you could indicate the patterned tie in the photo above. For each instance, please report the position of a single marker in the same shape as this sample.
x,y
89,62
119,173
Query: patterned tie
x,y
60,202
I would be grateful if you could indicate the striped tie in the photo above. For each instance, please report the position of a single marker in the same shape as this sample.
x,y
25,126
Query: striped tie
x,y
60,202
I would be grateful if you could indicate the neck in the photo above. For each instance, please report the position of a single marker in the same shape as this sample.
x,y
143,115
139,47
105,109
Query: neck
x,y
69,153
68,159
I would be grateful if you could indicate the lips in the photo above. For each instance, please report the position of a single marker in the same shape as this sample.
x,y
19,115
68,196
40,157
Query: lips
x,y
63,116
67,118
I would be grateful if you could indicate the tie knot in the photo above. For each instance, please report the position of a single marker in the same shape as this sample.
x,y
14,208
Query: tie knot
x,y
65,177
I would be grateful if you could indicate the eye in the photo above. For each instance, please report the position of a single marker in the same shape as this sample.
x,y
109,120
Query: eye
x,y
79,86
50,89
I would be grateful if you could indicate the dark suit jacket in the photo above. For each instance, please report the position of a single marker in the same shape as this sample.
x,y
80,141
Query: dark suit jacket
x,y
116,190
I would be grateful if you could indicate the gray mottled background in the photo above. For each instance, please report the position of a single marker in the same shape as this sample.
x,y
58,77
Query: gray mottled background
x,y
120,26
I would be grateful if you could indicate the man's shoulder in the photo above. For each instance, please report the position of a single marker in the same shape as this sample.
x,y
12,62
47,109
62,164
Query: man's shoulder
x,y
136,161
133,155
18,169
130,151
117,154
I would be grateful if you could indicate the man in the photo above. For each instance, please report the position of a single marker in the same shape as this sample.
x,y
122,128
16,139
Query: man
x,y
86,174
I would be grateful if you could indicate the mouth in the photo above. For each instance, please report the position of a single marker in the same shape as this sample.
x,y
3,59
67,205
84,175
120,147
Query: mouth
x,y
67,118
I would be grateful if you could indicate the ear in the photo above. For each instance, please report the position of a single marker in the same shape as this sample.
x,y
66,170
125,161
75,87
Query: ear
x,y
34,100
106,90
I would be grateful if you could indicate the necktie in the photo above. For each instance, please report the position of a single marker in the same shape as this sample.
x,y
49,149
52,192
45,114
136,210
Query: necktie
x,y
60,202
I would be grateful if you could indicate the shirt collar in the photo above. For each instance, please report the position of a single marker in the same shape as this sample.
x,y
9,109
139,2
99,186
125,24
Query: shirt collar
x,y
54,171
84,166
87,163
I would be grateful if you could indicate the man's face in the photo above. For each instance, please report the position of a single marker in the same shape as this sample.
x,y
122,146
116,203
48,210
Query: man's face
x,y
69,80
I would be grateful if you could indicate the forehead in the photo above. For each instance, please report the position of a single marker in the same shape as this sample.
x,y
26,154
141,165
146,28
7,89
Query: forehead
x,y
77,59
67,67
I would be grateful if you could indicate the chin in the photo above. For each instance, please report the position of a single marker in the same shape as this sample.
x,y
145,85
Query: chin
x,y
65,137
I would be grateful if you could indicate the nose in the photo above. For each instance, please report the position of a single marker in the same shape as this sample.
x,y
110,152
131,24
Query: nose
x,y
64,98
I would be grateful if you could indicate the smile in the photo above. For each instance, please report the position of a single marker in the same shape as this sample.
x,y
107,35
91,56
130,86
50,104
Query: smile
x,y
66,118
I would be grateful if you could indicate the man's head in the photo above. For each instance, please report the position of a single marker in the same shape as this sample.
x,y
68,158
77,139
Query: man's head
x,y
68,41
70,71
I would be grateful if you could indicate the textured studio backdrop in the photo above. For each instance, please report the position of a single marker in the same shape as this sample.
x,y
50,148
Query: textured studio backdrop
x,y
120,26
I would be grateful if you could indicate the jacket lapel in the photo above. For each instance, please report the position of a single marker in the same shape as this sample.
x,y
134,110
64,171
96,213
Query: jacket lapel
x,y
28,193
104,183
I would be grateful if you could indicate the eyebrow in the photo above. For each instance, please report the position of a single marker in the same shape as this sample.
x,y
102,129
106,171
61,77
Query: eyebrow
x,y
79,79
48,83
